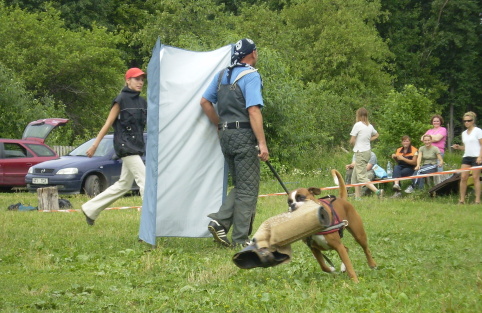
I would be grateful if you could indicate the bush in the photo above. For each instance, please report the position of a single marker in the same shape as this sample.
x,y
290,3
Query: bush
x,y
405,113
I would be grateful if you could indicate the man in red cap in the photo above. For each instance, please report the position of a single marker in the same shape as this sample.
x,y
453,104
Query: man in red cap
x,y
128,116
237,92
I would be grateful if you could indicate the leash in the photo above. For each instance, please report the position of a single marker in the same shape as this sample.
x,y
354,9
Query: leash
x,y
275,174
328,260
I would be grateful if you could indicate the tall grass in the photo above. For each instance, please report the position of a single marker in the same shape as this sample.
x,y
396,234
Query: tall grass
x,y
428,252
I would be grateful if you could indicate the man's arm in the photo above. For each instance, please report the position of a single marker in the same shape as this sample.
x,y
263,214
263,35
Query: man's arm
x,y
256,120
209,110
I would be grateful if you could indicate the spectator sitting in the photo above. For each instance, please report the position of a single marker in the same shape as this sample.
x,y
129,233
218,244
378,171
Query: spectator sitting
x,y
406,158
426,162
370,173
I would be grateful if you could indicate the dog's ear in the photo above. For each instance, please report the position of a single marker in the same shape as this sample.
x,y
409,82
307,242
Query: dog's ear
x,y
314,190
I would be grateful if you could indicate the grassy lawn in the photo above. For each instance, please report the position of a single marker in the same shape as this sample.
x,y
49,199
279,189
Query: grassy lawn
x,y
428,252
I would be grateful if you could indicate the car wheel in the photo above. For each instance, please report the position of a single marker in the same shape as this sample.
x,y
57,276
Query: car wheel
x,y
93,186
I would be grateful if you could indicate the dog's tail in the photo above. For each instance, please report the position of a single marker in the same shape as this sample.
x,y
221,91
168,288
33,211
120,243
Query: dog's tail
x,y
341,184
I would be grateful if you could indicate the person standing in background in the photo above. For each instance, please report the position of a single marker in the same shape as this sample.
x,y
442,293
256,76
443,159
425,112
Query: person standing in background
x,y
472,139
370,172
439,135
362,134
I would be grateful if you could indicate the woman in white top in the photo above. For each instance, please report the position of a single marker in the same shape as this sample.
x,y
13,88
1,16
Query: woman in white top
x,y
362,134
472,138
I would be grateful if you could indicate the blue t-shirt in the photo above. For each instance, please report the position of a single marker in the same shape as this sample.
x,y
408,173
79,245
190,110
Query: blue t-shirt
x,y
249,84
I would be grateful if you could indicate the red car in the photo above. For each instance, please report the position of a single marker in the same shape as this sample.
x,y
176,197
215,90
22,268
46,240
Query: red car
x,y
18,155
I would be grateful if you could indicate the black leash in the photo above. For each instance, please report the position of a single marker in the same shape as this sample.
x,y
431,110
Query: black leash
x,y
328,260
275,174
277,177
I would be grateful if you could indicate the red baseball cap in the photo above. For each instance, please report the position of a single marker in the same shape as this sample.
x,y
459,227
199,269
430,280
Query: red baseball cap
x,y
134,72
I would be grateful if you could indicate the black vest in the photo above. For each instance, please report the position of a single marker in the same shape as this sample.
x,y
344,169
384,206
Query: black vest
x,y
129,125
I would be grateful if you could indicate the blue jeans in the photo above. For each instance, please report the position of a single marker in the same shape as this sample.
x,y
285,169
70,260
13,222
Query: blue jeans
x,y
402,171
424,169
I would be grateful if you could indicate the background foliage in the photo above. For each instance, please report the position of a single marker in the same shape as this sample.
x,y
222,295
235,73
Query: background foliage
x,y
320,61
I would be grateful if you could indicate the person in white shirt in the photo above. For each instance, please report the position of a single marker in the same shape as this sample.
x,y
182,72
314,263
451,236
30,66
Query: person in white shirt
x,y
472,138
362,134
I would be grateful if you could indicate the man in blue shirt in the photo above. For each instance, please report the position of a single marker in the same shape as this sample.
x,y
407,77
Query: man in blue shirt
x,y
236,91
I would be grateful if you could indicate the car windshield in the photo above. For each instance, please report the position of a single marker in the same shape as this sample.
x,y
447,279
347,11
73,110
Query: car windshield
x,y
105,146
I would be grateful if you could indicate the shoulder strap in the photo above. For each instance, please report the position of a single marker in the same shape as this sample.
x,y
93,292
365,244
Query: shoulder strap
x,y
220,77
243,73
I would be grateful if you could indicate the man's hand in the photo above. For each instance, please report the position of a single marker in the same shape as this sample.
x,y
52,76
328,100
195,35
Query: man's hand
x,y
263,152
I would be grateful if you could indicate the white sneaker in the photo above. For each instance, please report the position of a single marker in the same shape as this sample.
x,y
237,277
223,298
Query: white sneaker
x,y
397,194
409,189
396,187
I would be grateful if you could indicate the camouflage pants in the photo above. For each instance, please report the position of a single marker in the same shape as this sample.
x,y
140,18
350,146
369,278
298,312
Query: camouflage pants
x,y
239,208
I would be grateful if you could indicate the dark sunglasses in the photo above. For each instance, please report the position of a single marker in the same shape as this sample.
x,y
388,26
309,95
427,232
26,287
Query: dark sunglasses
x,y
467,121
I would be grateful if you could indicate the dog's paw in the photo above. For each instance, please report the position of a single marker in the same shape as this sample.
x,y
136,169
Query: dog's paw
x,y
332,269
343,268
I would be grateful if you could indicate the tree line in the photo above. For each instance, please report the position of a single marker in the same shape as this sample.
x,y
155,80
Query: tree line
x,y
320,60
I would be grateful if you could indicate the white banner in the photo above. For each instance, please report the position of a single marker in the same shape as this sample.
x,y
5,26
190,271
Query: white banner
x,y
185,174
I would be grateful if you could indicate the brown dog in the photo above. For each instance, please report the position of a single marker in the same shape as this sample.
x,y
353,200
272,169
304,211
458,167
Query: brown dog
x,y
343,212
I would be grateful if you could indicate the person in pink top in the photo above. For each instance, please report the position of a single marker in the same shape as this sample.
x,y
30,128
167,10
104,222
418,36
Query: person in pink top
x,y
438,133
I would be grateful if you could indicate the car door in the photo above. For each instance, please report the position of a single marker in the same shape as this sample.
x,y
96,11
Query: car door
x,y
1,163
16,160
40,129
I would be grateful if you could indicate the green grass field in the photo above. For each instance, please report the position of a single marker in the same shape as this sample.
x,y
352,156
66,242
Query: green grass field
x,y
428,252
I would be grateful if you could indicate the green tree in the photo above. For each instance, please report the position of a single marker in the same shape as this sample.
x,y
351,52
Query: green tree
x,y
405,31
314,73
197,25
18,106
438,45
457,42
340,46
405,113
82,70
337,63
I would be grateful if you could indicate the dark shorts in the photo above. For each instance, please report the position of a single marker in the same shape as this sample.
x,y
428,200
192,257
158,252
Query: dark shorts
x,y
470,161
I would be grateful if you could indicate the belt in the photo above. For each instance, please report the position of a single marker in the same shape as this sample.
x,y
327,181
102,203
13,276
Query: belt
x,y
234,125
